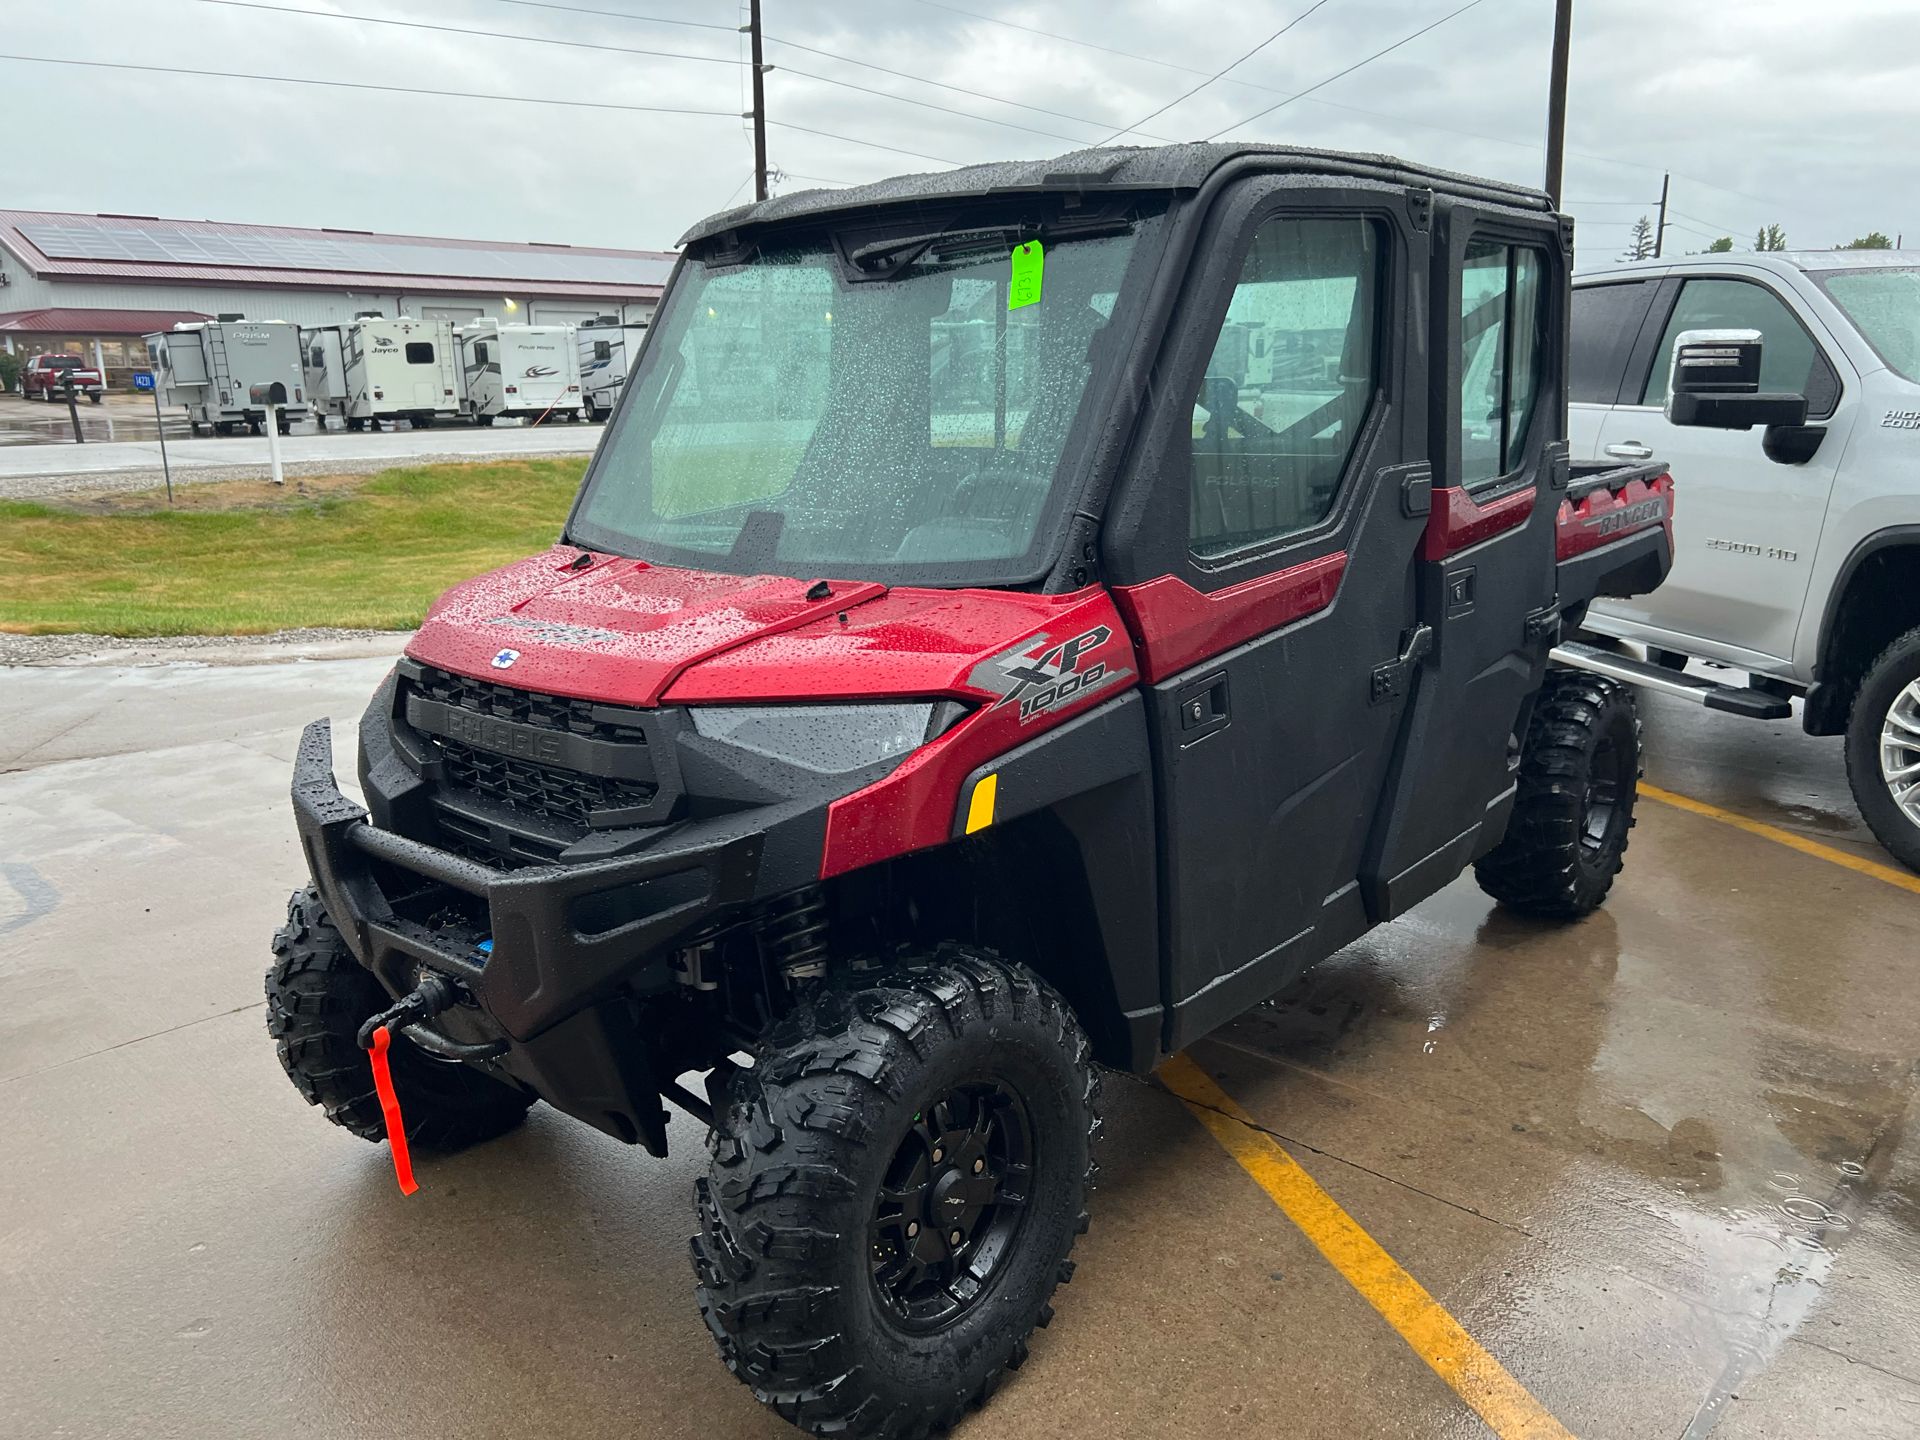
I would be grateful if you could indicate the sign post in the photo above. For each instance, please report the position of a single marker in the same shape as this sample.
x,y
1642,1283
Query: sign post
x,y
143,380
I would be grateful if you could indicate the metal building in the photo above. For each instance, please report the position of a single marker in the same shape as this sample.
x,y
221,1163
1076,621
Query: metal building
x,y
79,282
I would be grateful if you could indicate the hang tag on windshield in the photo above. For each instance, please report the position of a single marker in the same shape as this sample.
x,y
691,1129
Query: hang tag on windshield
x,y
1029,261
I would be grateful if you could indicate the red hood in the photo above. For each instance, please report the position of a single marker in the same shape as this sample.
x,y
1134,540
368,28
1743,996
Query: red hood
x,y
629,633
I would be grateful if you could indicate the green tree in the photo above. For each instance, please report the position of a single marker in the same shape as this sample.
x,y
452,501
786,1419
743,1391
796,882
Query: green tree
x,y
1720,246
1639,240
10,368
1872,240
1770,237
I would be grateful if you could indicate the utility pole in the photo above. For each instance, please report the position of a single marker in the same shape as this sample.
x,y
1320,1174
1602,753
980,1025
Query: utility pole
x,y
759,105
1557,99
1660,232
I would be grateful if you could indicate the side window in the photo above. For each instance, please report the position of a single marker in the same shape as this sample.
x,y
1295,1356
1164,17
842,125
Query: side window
x,y
602,350
316,359
1789,361
1606,321
1286,391
480,351
419,352
1502,355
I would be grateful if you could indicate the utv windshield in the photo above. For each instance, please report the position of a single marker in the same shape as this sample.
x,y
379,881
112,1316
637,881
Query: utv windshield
x,y
794,414
1885,304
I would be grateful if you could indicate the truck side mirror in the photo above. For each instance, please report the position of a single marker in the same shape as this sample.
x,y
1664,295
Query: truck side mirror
x,y
1715,384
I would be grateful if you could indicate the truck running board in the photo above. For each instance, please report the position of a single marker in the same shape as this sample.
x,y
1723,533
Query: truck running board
x,y
1735,699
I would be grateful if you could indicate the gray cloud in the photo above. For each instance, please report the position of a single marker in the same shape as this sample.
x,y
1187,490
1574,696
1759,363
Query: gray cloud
x,y
1763,111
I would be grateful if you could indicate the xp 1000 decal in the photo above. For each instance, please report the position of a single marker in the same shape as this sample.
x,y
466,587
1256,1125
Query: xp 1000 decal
x,y
1041,673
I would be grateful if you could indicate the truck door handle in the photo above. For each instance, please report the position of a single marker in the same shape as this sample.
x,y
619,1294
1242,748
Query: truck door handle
x,y
1629,450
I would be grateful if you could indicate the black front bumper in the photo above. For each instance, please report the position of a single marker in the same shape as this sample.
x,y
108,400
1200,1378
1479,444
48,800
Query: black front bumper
x,y
564,937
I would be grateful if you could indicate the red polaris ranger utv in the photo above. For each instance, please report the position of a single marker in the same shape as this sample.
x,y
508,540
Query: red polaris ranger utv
x,y
1018,619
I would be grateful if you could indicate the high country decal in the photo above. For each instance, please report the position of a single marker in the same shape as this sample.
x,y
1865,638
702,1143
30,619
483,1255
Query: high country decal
x,y
1900,420
1040,673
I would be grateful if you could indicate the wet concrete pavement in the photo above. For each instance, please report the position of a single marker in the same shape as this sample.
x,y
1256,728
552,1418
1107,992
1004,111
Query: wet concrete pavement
x,y
1662,1164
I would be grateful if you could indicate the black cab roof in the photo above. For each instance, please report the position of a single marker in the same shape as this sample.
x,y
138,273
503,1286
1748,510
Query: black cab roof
x,y
1116,169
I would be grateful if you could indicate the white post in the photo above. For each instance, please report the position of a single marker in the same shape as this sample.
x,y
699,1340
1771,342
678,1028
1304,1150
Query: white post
x,y
273,443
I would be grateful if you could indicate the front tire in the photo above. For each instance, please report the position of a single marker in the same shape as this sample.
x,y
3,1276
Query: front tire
x,y
894,1190
1883,749
1579,778
318,996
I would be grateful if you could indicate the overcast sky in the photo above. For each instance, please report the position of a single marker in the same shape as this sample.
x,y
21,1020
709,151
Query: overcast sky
x,y
1765,110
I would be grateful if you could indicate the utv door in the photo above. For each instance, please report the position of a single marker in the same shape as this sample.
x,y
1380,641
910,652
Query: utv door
x,y
1264,550
1486,573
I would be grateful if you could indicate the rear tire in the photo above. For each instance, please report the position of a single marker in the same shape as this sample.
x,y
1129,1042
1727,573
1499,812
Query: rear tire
x,y
821,1298
1881,741
1579,777
318,997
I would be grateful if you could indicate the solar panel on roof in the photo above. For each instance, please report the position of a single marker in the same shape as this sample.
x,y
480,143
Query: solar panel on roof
x,y
180,243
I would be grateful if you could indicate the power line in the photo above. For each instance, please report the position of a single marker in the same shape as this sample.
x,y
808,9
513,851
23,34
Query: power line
x,y
937,84
1064,39
368,85
1189,94
619,15
1342,74
628,50
460,30
871,144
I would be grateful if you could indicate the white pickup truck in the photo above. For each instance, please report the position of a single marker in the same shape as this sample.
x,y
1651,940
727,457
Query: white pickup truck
x,y
1796,552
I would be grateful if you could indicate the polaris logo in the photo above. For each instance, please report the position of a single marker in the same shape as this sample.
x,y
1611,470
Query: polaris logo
x,y
502,737
504,660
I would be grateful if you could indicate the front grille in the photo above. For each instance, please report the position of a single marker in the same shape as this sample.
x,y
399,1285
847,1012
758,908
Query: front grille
x,y
560,797
555,800
550,712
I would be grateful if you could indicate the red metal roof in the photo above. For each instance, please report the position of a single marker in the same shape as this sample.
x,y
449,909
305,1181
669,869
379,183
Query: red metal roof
x,y
95,322
151,250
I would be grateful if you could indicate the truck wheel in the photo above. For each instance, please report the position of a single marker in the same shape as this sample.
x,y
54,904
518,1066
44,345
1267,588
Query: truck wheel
x,y
318,996
1883,749
894,1189
1579,777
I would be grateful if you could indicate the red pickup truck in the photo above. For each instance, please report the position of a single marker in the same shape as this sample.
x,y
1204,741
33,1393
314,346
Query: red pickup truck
x,y
48,376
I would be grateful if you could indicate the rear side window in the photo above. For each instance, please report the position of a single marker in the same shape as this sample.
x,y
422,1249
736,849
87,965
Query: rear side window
x,y
1790,363
602,350
480,352
419,352
1287,389
1606,322
1502,356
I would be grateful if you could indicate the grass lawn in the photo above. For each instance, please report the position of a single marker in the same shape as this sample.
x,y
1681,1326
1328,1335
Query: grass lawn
x,y
245,558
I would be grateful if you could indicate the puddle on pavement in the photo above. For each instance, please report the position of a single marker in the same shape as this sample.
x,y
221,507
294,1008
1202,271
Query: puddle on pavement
x,y
1717,1138
39,424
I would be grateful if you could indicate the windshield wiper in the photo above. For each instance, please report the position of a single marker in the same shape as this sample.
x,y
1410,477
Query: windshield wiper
x,y
883,259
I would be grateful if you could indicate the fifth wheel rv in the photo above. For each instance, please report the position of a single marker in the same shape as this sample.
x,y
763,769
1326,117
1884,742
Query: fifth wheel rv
x,y
526,370
607,347
212,366
373,369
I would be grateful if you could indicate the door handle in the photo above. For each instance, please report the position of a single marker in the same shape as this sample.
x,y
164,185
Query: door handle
x,y
1630,450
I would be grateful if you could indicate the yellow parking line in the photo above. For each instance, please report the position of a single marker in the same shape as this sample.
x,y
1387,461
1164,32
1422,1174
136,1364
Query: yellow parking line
x,y
1504,1403
1901,878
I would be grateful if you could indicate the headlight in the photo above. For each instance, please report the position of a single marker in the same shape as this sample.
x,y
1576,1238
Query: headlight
x,y
826,739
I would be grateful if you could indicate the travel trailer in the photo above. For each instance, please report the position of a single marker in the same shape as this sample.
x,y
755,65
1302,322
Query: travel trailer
x,y
530,371
607,346
211,367
373,369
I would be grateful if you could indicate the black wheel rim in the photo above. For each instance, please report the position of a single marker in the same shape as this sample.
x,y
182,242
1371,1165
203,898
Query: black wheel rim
x,y
1608,780
951,1205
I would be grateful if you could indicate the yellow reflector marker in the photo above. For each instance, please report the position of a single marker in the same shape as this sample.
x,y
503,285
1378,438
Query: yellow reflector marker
x,y
980,808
